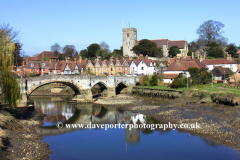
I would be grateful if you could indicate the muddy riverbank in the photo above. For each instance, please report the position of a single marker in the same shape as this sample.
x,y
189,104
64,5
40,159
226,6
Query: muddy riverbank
x,y
18,136
220,123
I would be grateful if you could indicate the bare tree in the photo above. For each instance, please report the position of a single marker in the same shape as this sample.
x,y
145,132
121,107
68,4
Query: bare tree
x,y
56,47
211,31
69,50
104,47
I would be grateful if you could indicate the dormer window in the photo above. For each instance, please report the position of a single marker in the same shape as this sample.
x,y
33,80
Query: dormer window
x,y
32,64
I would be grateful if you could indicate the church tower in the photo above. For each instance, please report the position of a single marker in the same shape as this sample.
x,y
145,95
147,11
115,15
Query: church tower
x,y
129,40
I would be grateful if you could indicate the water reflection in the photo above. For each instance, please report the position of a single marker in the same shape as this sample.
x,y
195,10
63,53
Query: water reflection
x,y
96,143
56,109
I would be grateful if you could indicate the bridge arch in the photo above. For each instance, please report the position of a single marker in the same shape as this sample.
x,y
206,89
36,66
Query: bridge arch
x,y
98,88
76,88
120,87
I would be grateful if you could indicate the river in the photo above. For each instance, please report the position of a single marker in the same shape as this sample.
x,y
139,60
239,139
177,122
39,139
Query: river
x,y
117,143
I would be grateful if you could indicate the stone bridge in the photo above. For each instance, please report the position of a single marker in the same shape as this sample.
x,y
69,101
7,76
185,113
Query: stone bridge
x,y
82,85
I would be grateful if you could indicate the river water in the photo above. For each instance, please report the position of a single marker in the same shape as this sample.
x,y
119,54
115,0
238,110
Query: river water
x,y
117,143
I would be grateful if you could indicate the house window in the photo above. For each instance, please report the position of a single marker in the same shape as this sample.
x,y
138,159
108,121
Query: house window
x,y
19,69
32,64
98,69
91,69
133,68
82,70
43,69
125,69
111,69
43,64
128,47
104,69
118,69
31,69
127,34
142,68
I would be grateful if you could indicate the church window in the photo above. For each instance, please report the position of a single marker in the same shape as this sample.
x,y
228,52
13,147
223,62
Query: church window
x,y
127,34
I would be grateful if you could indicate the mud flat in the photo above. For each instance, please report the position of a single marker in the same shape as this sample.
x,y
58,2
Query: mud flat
x,y
120,99
19,139
218,122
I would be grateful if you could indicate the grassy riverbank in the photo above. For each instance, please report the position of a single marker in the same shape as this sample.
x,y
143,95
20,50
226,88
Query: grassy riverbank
x,y
204,88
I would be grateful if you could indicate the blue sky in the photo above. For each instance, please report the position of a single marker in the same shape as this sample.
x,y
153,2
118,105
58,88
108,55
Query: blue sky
x,y
81,23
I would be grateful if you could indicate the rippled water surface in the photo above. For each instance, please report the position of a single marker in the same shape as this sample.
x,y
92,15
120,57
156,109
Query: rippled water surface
x,y
118,143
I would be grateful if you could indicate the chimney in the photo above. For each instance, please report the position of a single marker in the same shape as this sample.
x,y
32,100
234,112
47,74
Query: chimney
x,y
205,57
192,55
146,57
99,58
80,59
112,58
66,59
126,57
116,58
141,56
75,59
131,58
165,62
198,54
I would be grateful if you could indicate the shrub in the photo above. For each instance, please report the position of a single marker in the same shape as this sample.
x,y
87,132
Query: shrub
x,y
178,83
33,74
160,77
147,81
154,80
142,79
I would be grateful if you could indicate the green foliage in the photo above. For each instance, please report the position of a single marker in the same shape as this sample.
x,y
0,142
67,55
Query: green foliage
x,y
180,75
147,81
8,82
134,57
84,54
145,47
154,80
190,52
178,83
32,74
60,57
46,59
174,50
231,49
92,49
214,50
199,76
160,77
142,79
76,54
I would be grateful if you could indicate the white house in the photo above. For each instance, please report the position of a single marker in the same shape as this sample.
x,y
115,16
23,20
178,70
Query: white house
x,y
225,63
181,66
142,66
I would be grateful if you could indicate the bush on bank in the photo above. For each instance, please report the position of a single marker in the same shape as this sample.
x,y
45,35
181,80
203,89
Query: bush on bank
x,y
154,80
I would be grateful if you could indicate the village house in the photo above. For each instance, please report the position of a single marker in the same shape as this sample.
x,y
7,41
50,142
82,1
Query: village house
x,y
181,66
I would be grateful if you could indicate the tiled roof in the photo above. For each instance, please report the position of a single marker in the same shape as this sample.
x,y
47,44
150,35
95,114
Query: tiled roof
x,y
170,76
168,43
221,69
48,54
218,61
179,43
184,65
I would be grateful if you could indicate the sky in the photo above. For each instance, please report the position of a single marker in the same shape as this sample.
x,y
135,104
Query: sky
x,y
80,23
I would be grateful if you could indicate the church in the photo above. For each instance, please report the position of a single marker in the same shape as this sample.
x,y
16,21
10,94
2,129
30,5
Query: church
x,y
130,40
